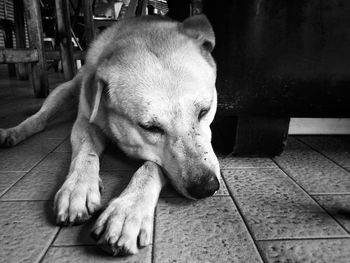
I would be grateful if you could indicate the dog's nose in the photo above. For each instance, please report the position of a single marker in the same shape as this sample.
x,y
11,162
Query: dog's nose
x,y
205,187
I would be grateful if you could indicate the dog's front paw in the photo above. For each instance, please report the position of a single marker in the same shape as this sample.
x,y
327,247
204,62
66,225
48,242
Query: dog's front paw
x,y
77,200
8,137
126,224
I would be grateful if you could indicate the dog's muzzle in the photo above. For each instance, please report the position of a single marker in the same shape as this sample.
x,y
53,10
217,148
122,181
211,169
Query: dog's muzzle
x,y
206,186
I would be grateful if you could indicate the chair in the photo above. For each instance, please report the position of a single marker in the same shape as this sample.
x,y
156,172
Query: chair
x,y
34,55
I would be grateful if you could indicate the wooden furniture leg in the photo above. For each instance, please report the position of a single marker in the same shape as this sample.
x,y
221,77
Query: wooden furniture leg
x,y
21,68
39,76
7,26
88,21
65,38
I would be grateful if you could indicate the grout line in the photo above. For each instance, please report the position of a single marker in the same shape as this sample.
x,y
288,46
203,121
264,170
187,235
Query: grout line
x,y
302,188
314,194
74,245
154,234
257,167
118,170
27,172
63,140
52,241
187,199
322,154
305,238
12,184
249,230
61,143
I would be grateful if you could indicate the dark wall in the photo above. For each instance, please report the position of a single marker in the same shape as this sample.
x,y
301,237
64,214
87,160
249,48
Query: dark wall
x,y
282,57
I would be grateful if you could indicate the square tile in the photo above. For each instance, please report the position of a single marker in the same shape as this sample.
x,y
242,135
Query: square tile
x,y
331,250
311,170
338,206
276,208
26,154
209,230
26,230
92,254
64,147
114,159
246,162
59,128
336,148
43,181
7,179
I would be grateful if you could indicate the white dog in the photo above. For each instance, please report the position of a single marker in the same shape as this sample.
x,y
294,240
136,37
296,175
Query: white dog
x,y
149,85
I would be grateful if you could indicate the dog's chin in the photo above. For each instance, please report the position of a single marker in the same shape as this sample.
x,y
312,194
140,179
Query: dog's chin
x,y
184,193
178,189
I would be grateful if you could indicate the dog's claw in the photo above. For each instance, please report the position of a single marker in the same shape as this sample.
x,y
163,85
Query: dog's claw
x,y
96,233
62,219
76,202
144,239
122,224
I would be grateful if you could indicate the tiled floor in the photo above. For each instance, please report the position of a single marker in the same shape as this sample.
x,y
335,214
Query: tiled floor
x,y
292,208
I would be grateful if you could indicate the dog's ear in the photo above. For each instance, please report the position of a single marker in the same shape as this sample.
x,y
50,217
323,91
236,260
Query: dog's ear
x,y
92,88
96,99
199,28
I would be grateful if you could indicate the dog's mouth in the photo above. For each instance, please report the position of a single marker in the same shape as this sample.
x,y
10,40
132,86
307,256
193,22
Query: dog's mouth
x,y
175,185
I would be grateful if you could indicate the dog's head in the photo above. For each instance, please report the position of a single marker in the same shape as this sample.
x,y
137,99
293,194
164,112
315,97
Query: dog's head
x,y
156,79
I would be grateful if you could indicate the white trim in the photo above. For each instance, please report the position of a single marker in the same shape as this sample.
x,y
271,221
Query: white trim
x,y
319,126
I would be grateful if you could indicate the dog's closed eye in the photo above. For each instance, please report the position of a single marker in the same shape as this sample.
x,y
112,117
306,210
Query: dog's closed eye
x,y
152,128
202,113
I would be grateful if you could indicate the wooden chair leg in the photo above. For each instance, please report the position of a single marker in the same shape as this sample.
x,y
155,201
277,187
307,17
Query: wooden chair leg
x,y
21,68
35,33
65,38
7,26
88,21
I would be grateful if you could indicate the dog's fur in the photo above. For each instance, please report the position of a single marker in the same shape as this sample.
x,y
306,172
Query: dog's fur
x,y
149,85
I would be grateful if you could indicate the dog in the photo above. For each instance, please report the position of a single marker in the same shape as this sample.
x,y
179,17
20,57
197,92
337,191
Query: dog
x,y
148,85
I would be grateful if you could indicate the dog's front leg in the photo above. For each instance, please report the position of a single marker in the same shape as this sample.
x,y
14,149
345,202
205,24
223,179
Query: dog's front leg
x,y
79,197
128,220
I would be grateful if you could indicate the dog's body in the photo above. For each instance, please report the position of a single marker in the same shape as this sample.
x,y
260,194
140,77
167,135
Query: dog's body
x,y
149,85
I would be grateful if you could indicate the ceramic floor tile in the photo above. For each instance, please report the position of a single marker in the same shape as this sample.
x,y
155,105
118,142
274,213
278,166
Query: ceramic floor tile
x,y
7,179
114,183
76,235
59,129
314,172
336,148
298,251
92,254
26,231
11,114
338,206
245,162
27,154
43,181
59,126
114,159
275,207
65,146
209,230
